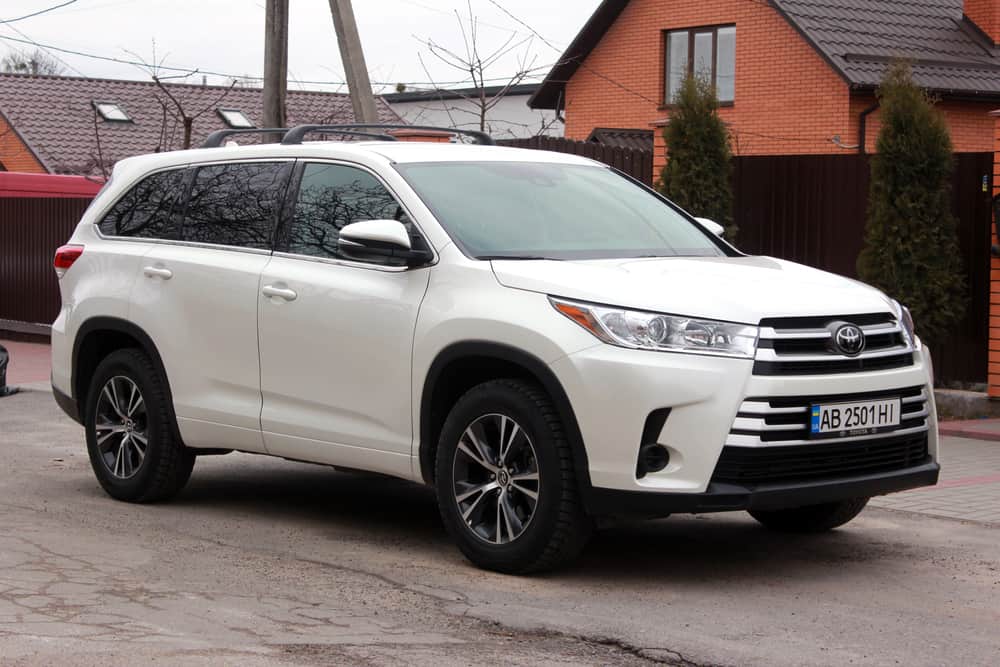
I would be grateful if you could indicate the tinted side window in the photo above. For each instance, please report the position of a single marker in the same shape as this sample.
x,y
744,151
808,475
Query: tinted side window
x,y
236,204
332,196
144,211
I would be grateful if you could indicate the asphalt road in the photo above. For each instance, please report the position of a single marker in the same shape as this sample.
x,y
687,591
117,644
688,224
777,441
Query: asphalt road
x,y
266,562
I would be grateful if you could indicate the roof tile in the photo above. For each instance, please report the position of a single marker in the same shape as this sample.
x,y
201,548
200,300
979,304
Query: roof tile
x,y
56,117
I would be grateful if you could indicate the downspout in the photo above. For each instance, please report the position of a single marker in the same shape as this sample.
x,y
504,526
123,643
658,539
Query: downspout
x,y
559,106
863,127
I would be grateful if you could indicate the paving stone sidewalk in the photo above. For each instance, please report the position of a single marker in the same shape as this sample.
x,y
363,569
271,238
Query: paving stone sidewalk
x,y
969,487
29,362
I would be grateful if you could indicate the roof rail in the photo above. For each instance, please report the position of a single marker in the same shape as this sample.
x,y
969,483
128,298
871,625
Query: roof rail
x,y
215,139
296,134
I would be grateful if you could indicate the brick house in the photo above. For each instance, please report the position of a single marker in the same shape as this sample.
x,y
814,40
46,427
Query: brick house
x,y
794,76
75,125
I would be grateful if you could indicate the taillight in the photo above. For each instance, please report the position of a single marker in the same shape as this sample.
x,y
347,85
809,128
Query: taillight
x,y
65,256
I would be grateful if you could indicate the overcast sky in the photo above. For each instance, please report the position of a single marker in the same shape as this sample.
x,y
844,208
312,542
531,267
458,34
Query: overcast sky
x,y
226,36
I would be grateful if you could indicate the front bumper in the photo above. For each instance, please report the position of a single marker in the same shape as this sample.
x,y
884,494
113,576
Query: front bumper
x,y
730,497
613,390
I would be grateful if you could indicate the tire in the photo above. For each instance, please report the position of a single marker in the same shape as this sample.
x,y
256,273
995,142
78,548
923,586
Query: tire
x,y
125,468
811,518
534,536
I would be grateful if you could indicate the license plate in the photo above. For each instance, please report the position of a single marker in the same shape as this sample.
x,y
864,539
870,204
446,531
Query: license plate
x,y
861,418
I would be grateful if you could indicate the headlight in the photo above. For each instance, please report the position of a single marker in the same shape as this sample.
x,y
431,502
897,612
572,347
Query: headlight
x,y
906,320
655,331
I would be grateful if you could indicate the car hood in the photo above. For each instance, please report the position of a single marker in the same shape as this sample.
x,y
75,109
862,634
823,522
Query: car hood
x,y
735,289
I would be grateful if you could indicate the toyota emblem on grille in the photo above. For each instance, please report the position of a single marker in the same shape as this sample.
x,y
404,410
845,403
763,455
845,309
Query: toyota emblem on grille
x,y
849,339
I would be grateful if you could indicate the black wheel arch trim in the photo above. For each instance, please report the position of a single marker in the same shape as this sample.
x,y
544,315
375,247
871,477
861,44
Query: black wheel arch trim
x,y
536,367
116,324
68,405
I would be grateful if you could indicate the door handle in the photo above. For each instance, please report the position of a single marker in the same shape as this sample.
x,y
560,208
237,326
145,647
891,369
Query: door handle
x,y
156,272
279,292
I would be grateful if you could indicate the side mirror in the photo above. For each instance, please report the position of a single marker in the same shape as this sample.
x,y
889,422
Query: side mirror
x,y
712,226
381,238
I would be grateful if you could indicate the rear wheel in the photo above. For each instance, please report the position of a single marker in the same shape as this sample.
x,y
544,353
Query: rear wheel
x,y
811,518
130,436
505,483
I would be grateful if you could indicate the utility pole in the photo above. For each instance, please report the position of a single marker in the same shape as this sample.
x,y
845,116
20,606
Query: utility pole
x,y
353,57
275,62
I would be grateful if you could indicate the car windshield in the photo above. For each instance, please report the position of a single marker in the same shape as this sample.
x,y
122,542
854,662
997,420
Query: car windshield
x,y
532,210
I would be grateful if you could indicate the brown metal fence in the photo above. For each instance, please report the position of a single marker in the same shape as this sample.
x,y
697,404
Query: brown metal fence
x,y
636,163
808,209
30,231
812,210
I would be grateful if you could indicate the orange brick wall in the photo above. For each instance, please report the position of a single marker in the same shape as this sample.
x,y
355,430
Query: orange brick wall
x,y
986,15
794,106
970,124
14,155
994,365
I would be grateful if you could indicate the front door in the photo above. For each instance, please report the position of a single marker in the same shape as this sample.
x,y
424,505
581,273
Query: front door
x,y
336,334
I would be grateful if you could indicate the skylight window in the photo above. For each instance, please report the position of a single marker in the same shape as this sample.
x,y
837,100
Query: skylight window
x,y
235,118
112,111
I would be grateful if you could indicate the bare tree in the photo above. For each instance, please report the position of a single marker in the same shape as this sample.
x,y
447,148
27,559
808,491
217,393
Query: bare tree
x,y
172,105
182,114
476,63
36,63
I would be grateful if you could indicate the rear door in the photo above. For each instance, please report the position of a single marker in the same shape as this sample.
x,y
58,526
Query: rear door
x,y
197,298
336,333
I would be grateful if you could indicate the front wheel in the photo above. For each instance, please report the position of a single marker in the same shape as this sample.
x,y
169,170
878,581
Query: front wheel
x,y
505,483
811,518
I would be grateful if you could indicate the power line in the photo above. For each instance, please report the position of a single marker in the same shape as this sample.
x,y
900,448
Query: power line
x,y
188,70
38,13
585,66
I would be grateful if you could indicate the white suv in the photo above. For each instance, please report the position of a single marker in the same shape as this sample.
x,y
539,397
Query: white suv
x,y
540,338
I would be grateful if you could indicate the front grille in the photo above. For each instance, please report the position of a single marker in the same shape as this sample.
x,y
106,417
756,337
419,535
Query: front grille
x,y
774,465
766,422
804,346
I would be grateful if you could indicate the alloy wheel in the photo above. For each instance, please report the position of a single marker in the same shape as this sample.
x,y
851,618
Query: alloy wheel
x,y
496,482
121,427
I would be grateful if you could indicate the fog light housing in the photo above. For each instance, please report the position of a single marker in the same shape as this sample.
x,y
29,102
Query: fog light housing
x,y
653,457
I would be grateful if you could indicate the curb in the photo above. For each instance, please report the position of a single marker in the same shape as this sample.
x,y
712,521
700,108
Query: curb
x,y
972,429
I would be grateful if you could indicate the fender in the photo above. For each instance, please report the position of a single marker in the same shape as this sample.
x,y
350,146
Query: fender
x,y
533,366
119,325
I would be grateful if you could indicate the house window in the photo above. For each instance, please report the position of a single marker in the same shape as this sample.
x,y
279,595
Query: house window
x,y
708,53
235,118
112,111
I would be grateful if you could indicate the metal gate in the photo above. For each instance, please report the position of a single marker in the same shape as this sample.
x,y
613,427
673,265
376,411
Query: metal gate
x,y
812,210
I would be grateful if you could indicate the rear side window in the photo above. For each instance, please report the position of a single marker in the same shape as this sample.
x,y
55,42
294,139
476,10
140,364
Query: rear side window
x,y
145,210
332,196
236,204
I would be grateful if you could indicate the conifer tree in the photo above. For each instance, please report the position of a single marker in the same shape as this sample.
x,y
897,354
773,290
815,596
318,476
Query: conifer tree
x,y
697,174
911,244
